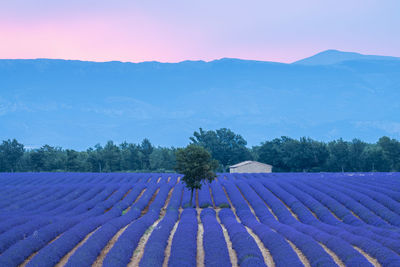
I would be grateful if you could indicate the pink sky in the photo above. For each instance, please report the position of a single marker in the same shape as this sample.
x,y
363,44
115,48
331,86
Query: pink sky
x,y
173,30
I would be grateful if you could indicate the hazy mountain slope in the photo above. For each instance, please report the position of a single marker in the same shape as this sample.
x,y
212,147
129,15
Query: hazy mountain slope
x,y
334,56
77,104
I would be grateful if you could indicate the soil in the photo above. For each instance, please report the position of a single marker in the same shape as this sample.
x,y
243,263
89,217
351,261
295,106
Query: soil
x,y
337,260
169,244
200,248
110,195
268,260
139,251
140,195
232,252
300,254
126,193
212,198
264,251
146,209
65,259
107,248
33,254
372,260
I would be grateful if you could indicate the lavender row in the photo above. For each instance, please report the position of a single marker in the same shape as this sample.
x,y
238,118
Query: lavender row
x,y
376,187
123,250
215,247
57,249
281,251
186,199
373,205
184,242
327,234
90,250
247,251
6,225
325,216
361,211
154,250
349,220
175,201
37,179
347,232
311,249
16,254
52,253
219,196
20,232
204,196
73,200
16,204
15,234
23,194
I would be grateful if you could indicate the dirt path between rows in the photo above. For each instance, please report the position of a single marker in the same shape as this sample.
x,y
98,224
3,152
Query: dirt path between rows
x,y
268,260
372,260
300,254
36,252
167,252
107,248
110,244
139,251
65,259
231,251
200,248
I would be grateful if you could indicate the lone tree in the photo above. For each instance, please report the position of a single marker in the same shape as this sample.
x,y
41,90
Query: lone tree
x,y
197,165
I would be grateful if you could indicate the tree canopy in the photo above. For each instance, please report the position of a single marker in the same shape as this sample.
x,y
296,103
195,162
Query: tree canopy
x,y
290,155
224,145
10,153
285,154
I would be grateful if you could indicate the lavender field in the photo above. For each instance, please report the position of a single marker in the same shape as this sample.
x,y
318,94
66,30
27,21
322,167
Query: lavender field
x,y
145,219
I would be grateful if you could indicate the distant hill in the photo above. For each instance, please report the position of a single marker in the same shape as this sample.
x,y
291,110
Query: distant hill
x,y
78,103
329,57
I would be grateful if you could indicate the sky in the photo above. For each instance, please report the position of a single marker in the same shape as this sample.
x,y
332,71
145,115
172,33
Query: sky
x,y
177,30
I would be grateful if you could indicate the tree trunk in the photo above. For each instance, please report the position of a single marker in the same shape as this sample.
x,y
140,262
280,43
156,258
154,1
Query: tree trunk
x,y
191,198
342,169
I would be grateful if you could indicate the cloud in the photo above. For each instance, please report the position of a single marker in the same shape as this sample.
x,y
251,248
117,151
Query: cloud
x,y
391,127
7,107
18,105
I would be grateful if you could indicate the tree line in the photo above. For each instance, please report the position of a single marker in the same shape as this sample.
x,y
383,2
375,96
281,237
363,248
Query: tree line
x,y
108,158
291,155
285,154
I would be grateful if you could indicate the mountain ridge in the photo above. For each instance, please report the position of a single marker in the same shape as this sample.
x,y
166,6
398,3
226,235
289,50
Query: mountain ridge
x,y
339,56
333,56
77,104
